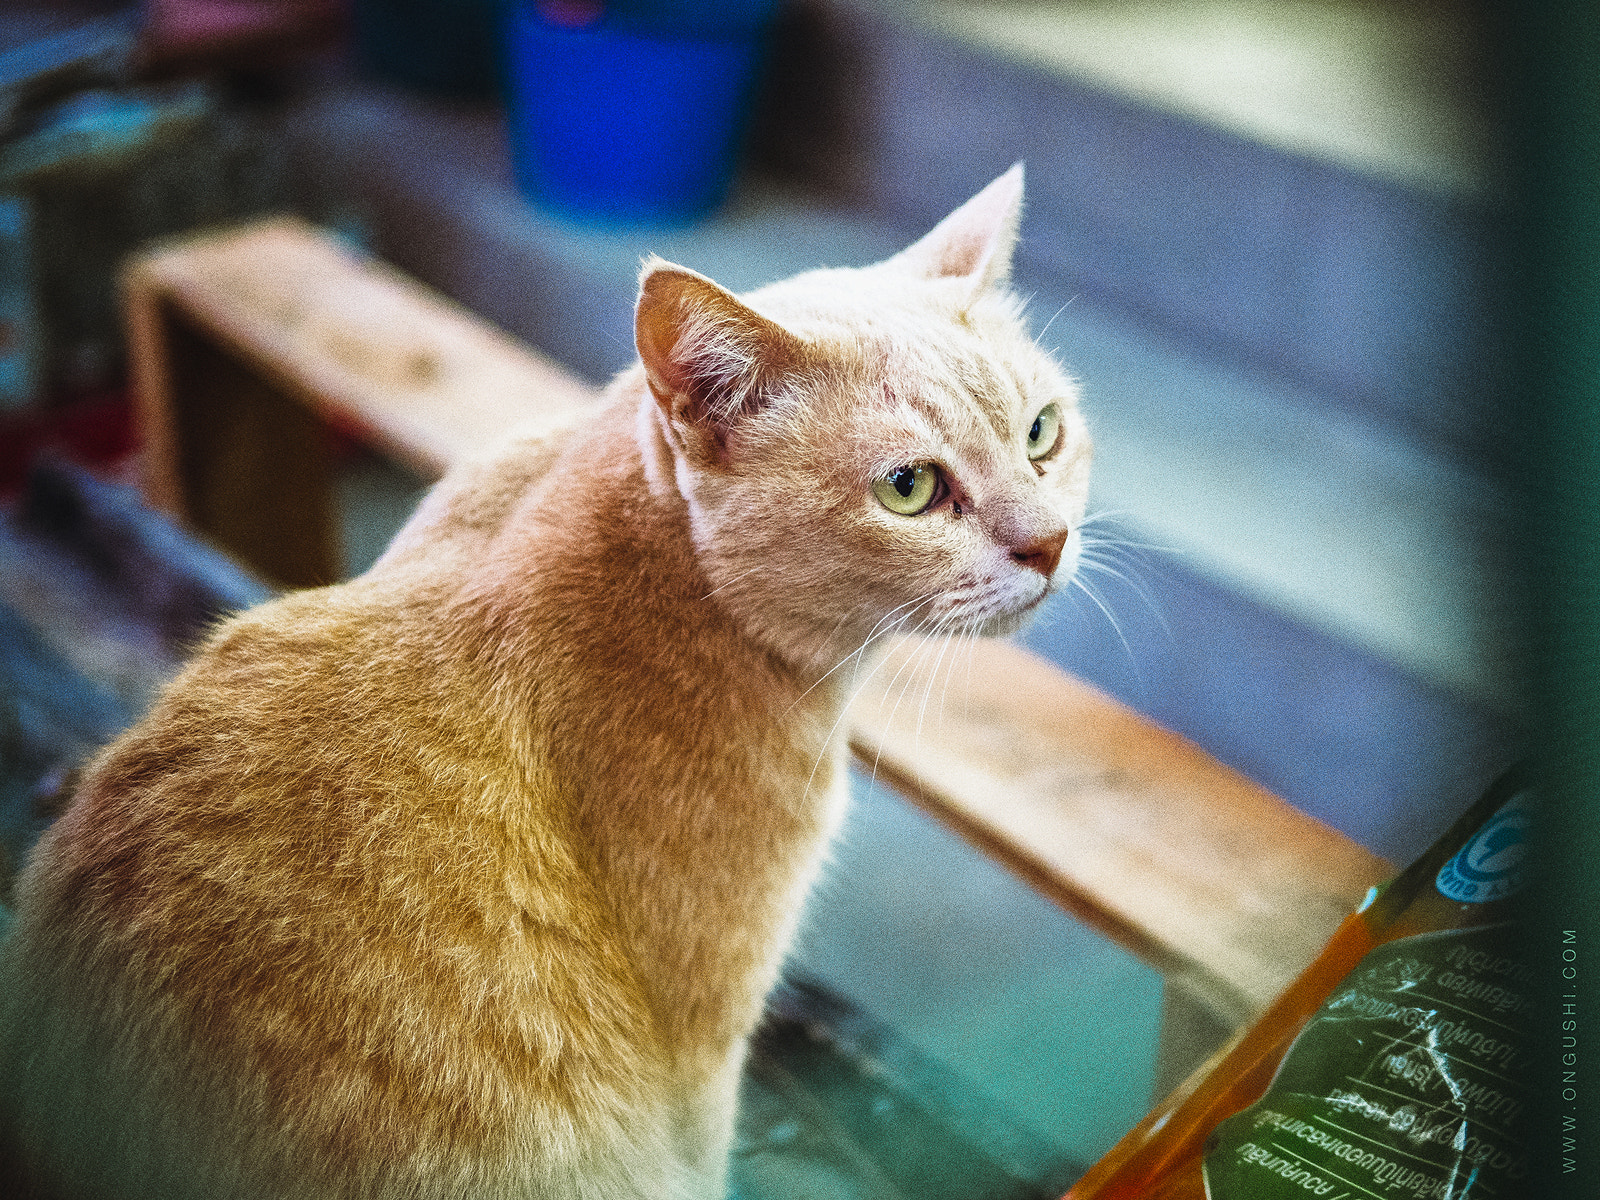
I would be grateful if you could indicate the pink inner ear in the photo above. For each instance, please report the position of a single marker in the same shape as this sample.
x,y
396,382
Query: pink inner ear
x,y
976,240
699,342
664,302
963,254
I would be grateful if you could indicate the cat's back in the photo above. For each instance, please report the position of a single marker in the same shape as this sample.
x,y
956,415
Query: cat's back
x,y
365,706
324,904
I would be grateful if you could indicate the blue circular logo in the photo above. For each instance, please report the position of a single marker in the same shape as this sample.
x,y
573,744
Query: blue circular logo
x,y
1492,865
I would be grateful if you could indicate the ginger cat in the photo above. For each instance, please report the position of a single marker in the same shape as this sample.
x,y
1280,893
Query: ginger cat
x,y
467,878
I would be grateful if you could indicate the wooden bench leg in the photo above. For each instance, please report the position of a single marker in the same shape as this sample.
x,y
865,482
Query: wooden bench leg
x,y
244,343
253,464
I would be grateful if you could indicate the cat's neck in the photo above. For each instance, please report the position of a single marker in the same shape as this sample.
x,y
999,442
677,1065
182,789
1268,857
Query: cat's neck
x,y
701,768
819,652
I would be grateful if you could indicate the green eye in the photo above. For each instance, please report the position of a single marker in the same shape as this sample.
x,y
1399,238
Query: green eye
x,y
1044,431
909,490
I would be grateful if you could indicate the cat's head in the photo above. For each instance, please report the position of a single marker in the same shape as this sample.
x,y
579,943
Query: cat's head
x,y
870,449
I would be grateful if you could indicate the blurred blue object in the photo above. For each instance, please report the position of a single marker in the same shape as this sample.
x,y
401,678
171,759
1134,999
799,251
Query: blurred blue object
x,y
631,112
442,46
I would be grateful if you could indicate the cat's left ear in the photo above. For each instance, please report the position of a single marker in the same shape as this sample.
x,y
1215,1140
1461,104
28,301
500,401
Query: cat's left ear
x,y
711,361
976,241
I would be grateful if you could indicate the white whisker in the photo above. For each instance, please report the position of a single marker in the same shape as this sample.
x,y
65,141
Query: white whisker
x,y
878,631
964,639
877,666
1101,559
1115,536
972,653
1116,626
731,582
933,676
1052,320
912,664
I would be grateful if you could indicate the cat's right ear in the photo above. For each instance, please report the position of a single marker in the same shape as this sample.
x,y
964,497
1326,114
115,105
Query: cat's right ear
x,y
710,360
976,241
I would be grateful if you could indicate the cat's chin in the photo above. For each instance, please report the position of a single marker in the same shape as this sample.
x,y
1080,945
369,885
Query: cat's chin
x,y
1006,623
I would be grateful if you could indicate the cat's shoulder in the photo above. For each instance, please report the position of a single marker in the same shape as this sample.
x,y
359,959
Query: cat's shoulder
x,y
466,509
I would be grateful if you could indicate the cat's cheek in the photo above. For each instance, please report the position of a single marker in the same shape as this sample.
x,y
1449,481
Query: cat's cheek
x,y
1069,475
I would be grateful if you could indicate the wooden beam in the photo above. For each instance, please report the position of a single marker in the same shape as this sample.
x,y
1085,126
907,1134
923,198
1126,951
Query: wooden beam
x,y
220,325
1225,888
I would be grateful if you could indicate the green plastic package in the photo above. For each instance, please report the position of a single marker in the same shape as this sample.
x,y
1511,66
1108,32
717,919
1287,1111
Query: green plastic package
x,y
1408,1083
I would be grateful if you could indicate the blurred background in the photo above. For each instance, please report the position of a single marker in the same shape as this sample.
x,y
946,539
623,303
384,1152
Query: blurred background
x,y
1268,236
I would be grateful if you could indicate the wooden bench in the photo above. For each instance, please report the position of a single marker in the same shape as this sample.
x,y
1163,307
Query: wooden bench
x,y
242,342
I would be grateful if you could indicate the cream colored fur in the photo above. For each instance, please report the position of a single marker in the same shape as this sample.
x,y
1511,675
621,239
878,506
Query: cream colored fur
x,y
468,878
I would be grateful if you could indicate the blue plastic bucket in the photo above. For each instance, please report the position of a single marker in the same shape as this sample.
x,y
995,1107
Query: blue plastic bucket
x,y
619,123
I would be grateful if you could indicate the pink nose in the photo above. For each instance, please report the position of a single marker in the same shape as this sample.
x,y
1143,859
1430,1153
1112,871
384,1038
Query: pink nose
x,y
1042,555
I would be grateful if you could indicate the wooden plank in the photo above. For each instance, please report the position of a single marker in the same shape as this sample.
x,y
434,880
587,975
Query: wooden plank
x,y
1221,885
353,339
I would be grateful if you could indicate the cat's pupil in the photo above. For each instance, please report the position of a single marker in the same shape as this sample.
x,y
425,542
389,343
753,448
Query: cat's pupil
x,y
904,480
1033,433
